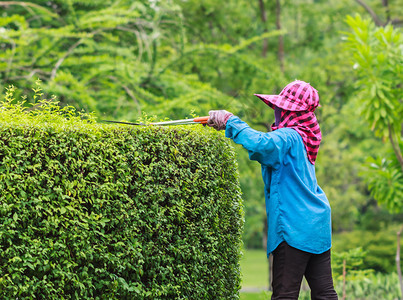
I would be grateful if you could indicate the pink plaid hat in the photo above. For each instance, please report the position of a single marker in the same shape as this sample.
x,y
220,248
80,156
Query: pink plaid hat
x,y
296,96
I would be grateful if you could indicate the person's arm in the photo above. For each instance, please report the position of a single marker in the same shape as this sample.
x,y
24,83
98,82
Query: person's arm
x,y
266,148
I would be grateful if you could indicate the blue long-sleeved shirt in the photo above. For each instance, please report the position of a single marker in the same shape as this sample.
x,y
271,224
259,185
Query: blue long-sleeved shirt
x,y
298,211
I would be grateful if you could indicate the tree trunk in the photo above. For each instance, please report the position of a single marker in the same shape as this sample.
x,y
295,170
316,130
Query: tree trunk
x,y
270,259
297,16
395,146
263,16
344,279
280,38
271,272
374,16
399,270
385,4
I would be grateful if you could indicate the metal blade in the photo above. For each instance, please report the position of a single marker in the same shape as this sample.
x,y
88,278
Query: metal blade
x,y
118,122
176,122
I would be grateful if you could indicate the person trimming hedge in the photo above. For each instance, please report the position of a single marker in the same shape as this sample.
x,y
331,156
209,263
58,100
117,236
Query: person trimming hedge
x,y
298,211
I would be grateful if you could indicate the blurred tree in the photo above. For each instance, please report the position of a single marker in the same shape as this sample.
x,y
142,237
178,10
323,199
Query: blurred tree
x,y
378,61
377,57
78,48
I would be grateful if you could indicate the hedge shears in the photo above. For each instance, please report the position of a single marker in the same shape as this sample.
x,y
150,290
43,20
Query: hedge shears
x,y
198,120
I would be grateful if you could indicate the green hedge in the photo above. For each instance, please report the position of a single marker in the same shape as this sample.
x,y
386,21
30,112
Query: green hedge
x,y
90,211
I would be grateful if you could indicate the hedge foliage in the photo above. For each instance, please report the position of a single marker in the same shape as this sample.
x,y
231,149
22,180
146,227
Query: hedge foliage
x,y
91,211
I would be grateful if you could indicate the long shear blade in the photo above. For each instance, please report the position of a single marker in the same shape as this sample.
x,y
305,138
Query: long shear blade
x,y
199,120
118,122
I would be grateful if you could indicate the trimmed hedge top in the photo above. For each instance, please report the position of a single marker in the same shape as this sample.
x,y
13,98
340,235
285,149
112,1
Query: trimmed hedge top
x,y
90,211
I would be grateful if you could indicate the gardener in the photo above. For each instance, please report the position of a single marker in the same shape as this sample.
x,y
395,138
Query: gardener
x,y
298,212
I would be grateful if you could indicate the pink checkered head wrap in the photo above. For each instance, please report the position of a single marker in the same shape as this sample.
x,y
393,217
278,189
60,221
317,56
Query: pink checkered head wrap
x,y
298,100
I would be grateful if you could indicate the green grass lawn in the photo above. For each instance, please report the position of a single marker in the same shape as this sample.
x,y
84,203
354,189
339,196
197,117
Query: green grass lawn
x,y
255,274
254,268
255,296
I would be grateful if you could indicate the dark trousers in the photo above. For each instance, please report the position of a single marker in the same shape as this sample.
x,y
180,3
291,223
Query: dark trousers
x,y
289,267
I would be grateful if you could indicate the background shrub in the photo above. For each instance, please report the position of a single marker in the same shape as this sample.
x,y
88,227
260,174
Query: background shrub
x,y
371,287
90,211
379,246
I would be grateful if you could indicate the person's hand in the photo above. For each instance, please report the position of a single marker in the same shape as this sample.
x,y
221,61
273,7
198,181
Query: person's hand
x,y
218,119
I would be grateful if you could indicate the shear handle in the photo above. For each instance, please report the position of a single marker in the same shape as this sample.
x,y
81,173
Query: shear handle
x,y
202,120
